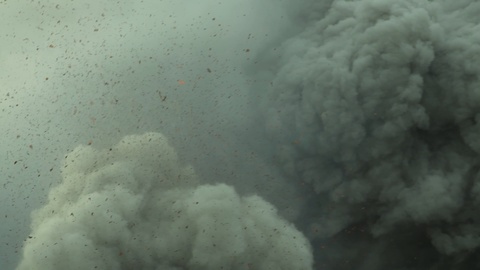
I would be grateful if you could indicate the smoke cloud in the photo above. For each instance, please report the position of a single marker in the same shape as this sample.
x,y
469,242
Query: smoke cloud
x,y
357,119
134,206
375,104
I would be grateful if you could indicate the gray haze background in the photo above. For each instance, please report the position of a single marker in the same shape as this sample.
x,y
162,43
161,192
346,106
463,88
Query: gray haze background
x,y
356,119
91,72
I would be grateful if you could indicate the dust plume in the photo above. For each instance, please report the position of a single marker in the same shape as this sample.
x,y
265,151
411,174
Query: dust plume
x,y
134,206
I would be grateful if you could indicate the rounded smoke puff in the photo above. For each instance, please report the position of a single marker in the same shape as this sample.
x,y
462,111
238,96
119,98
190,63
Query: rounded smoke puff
x,y
134,206
376,105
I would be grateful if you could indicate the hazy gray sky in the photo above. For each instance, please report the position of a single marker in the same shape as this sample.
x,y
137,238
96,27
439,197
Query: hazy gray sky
x,y
91,72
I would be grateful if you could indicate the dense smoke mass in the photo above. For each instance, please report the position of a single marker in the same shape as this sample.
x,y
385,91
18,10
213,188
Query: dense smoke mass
x,y
375,105
223,134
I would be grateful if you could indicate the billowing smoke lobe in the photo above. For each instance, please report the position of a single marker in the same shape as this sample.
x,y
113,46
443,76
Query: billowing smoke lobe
x,y
134,206
375,105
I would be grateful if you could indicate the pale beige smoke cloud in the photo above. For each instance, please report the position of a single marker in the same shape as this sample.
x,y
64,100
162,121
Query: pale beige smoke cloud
x,y
135,206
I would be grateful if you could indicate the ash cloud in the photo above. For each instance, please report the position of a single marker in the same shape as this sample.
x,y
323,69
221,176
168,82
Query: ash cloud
x,y
375,105
370,106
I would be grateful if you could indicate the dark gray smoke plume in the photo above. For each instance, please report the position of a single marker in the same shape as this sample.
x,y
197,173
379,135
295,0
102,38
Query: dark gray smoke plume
x,y
376,106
